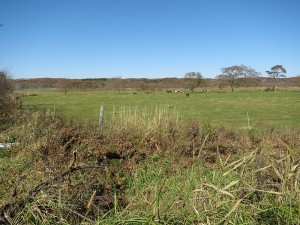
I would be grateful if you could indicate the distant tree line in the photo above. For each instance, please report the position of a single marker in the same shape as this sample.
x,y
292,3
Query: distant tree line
x,y
151,84
233,77
118,84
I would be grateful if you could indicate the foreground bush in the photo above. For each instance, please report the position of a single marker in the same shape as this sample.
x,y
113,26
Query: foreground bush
x,y
147,169
7,103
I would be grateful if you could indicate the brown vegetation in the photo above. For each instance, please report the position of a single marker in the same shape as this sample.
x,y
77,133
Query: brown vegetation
x,y
59,168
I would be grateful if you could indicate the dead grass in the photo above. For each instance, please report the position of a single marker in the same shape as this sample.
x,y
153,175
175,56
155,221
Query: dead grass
x,y
146,170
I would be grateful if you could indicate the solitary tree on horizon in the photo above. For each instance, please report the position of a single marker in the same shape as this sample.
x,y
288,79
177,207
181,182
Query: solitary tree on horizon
x,y
277,71
238,75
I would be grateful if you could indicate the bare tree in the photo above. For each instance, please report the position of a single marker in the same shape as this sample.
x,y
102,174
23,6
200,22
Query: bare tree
x,y
238,75
5,89
193,80
277,71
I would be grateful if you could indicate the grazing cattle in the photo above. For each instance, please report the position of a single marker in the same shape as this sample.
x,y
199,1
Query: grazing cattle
x,y
187,95
168,91
134,93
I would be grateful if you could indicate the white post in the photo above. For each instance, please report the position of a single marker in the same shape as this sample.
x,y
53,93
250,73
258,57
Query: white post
x,y
101,117
248,121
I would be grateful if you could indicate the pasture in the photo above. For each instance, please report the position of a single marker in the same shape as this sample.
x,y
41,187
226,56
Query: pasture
x,y
280,109
151,167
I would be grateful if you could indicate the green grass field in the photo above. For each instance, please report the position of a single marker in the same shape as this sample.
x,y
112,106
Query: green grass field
x,y
281,109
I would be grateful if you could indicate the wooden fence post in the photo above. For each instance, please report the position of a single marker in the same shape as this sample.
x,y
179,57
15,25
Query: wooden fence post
x,y
101,118
248,121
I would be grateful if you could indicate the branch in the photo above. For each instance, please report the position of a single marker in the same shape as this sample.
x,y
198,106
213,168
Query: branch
x,y
71,169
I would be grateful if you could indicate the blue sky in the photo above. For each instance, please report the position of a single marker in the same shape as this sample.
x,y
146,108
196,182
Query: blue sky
x,y
146,38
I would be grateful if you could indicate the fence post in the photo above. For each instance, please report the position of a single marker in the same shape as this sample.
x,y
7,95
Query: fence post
x,y
248,121
101,118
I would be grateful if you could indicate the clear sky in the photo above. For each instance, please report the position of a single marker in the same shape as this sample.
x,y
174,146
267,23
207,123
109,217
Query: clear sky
x,y
146,38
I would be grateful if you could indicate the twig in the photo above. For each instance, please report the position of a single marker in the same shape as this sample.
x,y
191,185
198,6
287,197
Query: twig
x,y
72,165
42,185
74,160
